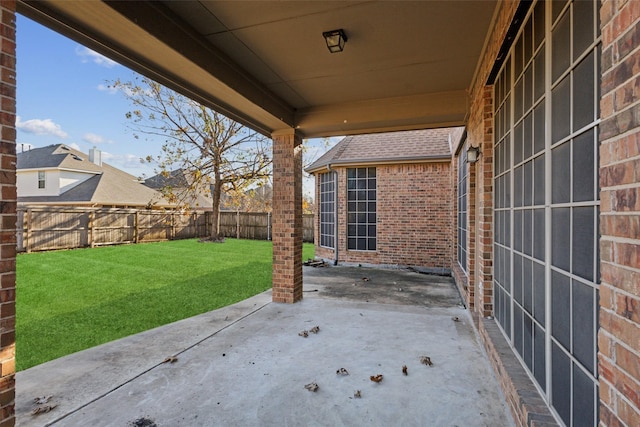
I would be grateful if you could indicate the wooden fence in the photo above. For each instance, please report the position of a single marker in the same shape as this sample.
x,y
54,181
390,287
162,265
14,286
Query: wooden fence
x,y
49,228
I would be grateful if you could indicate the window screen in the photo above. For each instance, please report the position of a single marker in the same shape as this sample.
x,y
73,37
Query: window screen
x,y
462,208
327,209
546,203
361,209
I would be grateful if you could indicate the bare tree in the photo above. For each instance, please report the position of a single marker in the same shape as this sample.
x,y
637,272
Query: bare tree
x,y
216,153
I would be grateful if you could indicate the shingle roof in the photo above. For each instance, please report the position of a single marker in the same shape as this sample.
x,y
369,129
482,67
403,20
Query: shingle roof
x,y
109,186
390,147
177,180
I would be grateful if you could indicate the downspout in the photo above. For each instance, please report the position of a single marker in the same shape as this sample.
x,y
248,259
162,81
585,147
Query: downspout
x,y
335,213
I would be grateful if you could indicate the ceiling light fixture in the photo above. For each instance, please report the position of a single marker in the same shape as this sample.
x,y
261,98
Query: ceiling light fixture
x,y
335,40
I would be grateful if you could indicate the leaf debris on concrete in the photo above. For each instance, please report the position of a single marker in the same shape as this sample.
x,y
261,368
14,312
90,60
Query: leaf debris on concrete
x,y
304,334
357,394
376,378
170,359
42,409
312,387
315,329
426,360
342,371
42,406
405,370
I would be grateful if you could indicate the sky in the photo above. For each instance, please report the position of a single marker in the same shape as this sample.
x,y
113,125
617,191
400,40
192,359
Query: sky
x,y
63,97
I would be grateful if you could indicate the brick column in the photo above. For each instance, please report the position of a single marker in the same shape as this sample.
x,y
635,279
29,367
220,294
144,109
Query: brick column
x,y
8,201
287,216
484,210
619,334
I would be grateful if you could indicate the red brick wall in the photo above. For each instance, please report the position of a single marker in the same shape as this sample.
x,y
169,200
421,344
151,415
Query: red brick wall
x,y
287,217
415,217
7,212
619,336
465,280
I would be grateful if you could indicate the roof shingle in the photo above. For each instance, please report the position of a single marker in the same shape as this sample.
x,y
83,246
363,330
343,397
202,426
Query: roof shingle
x,y
389,147
109,186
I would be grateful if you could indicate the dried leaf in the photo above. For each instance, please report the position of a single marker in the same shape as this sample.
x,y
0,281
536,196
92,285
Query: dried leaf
x,y
376,378
342,371
42,409
41,400
404,370
357,394
315,329
170,359
426,360
312,387
304,334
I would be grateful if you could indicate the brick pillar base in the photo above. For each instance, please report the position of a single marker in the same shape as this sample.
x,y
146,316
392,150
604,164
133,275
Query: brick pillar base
x,y
8,199
287,217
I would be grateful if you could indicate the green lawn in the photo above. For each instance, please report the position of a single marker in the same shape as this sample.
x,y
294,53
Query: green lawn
x,y
72,300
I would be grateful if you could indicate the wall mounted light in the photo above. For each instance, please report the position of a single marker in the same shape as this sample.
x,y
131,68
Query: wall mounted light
x,y
335,40
473,154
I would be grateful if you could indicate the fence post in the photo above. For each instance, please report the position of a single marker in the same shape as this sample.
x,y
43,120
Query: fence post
x,y
27,225
237,224
92,217
172,234
268,225
136,230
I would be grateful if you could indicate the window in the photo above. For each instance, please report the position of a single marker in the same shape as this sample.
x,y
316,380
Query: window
x,y
463,170
546,204
41,180
361,209
327,209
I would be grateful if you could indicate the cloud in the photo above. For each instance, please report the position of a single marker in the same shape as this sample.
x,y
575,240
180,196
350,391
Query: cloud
x,y
95,139
123,161
88,55
40,127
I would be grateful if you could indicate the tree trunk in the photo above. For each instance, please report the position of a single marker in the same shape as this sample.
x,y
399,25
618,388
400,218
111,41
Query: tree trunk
x,y
215,217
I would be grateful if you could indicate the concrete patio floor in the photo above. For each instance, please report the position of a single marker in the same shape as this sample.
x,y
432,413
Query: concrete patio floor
x,y
247,365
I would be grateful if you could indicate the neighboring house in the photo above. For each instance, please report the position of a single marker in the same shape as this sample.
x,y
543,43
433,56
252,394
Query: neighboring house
x,y
179,183
176,184
58,175
392,196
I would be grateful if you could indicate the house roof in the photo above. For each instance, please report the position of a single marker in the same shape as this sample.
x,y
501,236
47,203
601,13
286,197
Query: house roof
x,y
108,186
56,156
179,182
389,147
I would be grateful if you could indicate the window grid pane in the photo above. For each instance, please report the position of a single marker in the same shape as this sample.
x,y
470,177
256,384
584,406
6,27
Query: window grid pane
x,y
361,209
462,208
327,210
548,229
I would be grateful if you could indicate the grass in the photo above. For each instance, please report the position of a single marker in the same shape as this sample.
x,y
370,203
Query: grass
x,y
68,301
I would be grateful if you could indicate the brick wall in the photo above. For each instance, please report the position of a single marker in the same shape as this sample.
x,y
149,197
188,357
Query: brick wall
x,y
526,405
7,212
619,335
465,280
287,217
415,217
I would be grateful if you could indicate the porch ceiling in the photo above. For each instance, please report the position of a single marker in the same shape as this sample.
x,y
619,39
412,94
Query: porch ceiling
x,y
406,64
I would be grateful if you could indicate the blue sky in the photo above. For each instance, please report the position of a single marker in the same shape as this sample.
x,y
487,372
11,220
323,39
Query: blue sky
x,y
63,97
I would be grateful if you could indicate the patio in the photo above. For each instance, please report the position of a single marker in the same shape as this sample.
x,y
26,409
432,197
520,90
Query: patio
x,y
247,364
